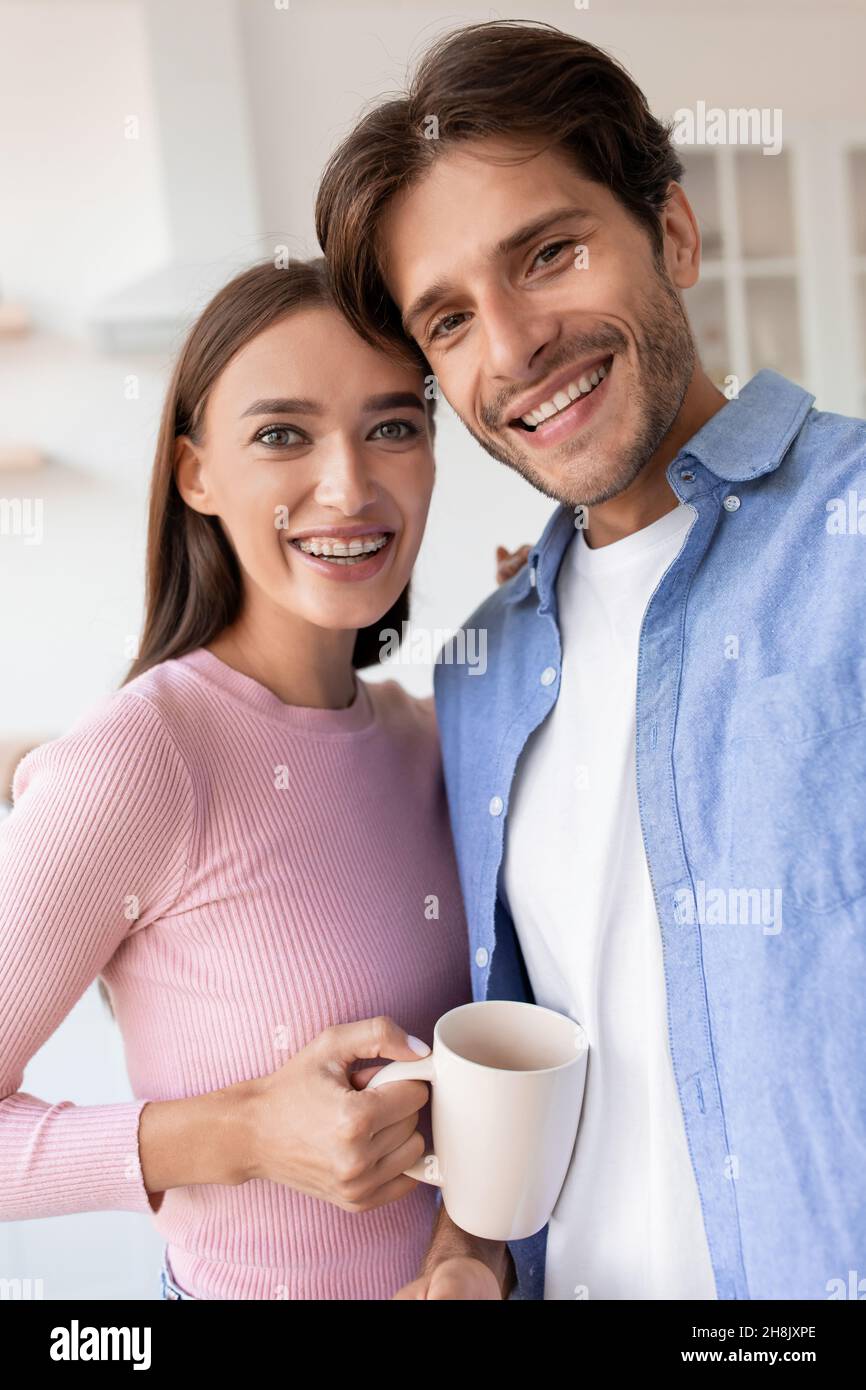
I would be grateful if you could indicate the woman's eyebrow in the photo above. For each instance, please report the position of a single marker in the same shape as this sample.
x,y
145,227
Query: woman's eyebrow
x,y
284,405
393,400
302,405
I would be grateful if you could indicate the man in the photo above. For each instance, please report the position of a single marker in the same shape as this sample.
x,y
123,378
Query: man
x,y
657,789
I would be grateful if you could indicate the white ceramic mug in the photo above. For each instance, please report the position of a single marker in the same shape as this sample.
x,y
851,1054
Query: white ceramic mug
x,y
507,1081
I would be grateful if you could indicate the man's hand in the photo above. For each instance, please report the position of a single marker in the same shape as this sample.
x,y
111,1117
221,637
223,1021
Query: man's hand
x,y
460,1277
461,1266
509,562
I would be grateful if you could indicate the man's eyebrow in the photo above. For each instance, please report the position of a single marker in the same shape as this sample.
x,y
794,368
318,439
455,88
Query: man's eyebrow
x,y
283,405
530,230
443,289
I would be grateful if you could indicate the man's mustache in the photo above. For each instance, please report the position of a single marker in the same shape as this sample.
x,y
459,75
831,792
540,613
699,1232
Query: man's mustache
x,y
497,413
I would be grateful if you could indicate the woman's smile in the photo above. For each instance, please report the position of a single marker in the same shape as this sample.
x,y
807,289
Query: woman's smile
x,y
345,553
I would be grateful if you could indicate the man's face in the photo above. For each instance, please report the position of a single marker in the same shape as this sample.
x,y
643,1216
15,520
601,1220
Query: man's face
x,y
568,365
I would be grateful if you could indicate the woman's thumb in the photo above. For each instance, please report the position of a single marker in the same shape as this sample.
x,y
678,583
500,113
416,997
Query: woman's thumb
x,y
375,1037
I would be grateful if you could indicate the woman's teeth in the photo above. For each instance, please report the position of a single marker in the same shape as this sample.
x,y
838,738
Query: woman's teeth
x,y
563,399
343,552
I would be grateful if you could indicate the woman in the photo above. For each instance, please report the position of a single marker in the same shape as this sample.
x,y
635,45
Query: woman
x,y
247,843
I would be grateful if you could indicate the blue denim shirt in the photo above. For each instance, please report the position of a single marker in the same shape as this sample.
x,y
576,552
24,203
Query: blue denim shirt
x,y
751,776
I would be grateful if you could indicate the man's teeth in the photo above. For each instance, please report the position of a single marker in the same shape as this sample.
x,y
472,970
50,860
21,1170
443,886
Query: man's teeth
x,y
581,387
343,552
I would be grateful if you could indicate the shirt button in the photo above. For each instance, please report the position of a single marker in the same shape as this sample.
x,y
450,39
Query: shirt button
x,y
731,502
495,807
481,956
532,576
548,675
687,476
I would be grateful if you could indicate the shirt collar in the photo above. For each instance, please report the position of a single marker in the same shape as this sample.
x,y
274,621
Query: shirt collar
x,y
747,437
752,433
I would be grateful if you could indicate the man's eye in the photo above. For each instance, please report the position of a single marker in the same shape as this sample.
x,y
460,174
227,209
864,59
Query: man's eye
x,y
278,436
549,253
394,431
442,327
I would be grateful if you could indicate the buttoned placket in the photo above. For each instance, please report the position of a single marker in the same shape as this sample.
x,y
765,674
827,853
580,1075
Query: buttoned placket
x,y
660,658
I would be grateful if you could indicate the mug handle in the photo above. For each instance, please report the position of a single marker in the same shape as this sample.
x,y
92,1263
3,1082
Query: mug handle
x,y
422,1070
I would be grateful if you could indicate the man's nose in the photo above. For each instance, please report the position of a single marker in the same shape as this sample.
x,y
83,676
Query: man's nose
x,y
516,336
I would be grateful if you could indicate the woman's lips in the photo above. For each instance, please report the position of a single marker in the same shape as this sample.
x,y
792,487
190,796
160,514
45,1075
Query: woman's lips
x,y
343,574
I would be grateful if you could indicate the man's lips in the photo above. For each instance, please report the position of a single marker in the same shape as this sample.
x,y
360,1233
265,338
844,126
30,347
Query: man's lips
x,y
570,376
568,421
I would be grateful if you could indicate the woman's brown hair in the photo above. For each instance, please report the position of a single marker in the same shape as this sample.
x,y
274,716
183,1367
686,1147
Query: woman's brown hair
x,y
503,78
193,582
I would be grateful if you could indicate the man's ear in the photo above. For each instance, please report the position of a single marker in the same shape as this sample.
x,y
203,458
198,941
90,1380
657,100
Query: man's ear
x,y
682,239
189,474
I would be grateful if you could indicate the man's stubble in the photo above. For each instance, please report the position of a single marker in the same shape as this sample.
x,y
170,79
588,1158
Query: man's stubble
x,y
666,359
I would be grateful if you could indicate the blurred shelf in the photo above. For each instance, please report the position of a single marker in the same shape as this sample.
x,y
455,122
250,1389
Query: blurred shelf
x,y
783,273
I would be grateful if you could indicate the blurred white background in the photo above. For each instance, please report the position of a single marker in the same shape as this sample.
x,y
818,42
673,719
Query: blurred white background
x,y
150,148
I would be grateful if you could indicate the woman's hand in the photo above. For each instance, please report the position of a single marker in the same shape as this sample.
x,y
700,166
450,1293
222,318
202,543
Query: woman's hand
x,y
312,1126
509,562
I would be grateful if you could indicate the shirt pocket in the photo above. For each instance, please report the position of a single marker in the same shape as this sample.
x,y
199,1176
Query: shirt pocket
x,y
798,784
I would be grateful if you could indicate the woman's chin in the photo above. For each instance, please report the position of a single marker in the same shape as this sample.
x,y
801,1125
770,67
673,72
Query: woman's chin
x,y
353,612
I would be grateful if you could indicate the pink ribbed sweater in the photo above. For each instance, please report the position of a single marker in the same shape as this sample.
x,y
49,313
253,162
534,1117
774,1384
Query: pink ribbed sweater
x,y
242,873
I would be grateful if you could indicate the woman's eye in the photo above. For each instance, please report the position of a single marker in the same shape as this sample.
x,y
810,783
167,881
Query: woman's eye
x,y
278,436
395,431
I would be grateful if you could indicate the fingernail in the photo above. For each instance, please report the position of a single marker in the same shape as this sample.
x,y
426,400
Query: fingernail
x,y
417,1045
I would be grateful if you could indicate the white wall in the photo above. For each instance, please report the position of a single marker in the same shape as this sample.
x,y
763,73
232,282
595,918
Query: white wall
x,y
82,214
82,205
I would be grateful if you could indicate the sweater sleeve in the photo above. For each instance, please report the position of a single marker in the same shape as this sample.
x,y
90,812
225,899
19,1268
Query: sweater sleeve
x,y
95,849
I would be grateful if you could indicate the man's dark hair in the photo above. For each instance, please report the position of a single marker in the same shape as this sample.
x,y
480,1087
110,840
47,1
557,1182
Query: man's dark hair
x,y
498,79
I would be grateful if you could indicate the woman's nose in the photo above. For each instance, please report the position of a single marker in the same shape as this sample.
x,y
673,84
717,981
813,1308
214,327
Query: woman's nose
x,y
345,481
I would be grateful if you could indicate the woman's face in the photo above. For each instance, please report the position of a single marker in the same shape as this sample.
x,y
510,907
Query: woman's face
x,y
317,459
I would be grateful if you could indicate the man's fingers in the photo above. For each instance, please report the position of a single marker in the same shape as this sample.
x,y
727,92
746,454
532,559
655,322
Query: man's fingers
x,y
509,562
463,1279
417,1289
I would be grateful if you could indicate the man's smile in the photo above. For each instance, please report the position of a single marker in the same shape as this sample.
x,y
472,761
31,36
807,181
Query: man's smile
x,y
564,404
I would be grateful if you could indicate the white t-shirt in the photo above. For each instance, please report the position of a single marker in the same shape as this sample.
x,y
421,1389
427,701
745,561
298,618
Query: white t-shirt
x,y
628,1222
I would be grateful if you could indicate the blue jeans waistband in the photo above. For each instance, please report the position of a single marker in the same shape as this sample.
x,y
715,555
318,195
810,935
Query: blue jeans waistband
x,y
168,1286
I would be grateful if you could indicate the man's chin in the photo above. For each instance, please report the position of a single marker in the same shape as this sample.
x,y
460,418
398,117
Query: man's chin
x,y
567,480
557,478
